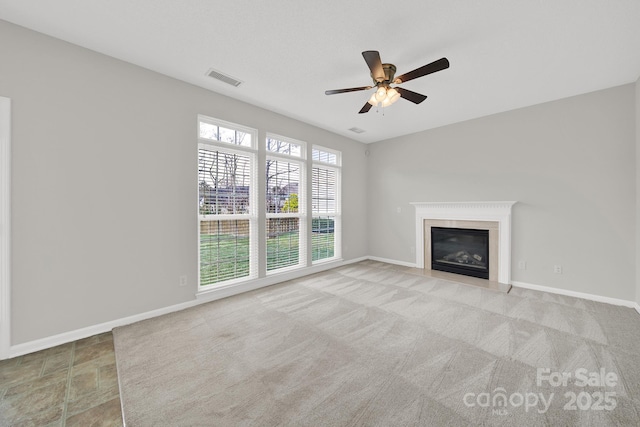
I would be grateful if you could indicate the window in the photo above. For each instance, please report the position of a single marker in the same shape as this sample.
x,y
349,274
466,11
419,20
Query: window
x,y
226,198
324,156
325,222
219,131
296,224
290,148
285,202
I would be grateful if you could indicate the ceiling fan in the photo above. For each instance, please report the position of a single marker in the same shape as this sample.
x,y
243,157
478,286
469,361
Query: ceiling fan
x,y
383,77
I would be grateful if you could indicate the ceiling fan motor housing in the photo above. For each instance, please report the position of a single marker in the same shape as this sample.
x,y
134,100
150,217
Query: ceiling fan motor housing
x,y
389,74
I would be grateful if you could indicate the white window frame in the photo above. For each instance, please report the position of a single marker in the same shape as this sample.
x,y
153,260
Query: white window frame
x,y
302,200
228,125
252,216
337,215
288,140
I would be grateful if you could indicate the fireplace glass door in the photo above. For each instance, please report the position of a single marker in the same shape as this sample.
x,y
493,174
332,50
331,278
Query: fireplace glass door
x,y
460,251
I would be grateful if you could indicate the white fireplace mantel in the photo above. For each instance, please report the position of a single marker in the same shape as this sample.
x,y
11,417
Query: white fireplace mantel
x,y
469,211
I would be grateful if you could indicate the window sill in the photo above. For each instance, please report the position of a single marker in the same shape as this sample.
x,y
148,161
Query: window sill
x,y
213,292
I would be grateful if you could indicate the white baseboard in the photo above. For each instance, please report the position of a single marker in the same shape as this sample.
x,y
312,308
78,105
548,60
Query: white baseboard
x,y
583,295
362,258
63,338
215,294
201,298
392,261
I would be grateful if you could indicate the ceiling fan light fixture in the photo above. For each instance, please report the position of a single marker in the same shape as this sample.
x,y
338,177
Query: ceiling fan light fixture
x,y
373,101
381,93
392,96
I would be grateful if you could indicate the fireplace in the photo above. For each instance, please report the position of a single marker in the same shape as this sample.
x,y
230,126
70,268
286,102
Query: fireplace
x,y
461,251
492,216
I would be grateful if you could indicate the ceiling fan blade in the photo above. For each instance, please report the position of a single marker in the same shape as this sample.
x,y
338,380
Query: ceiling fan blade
x,y
439,65
351,89
365,109
412,96
375,64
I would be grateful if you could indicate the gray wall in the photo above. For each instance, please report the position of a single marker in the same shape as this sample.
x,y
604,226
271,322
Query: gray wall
x,y
570,164
638,190
104,183
103,194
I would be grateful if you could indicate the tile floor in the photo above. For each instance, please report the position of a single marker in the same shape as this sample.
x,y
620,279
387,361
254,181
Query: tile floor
x,y
74,384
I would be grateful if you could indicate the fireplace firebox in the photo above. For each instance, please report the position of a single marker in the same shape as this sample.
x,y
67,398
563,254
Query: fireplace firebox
x,y
461,251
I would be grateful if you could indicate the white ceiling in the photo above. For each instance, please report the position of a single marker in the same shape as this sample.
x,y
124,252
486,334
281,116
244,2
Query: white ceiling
x,y
504,54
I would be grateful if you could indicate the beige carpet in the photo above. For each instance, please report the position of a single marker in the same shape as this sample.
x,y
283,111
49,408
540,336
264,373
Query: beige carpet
x,y
371,345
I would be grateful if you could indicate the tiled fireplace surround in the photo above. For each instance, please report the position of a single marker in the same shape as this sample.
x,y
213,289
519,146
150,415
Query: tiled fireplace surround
x,y
492,216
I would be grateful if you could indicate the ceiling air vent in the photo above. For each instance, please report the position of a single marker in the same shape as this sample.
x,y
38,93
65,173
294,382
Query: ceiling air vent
x,y
356,130
223,77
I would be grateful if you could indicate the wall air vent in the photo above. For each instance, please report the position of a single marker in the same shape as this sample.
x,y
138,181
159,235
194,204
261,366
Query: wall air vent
x,y
356,130
223,77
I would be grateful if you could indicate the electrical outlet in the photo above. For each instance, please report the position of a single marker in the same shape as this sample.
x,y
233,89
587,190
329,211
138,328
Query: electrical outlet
x,y
183,281
522,265
557,269
399,209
